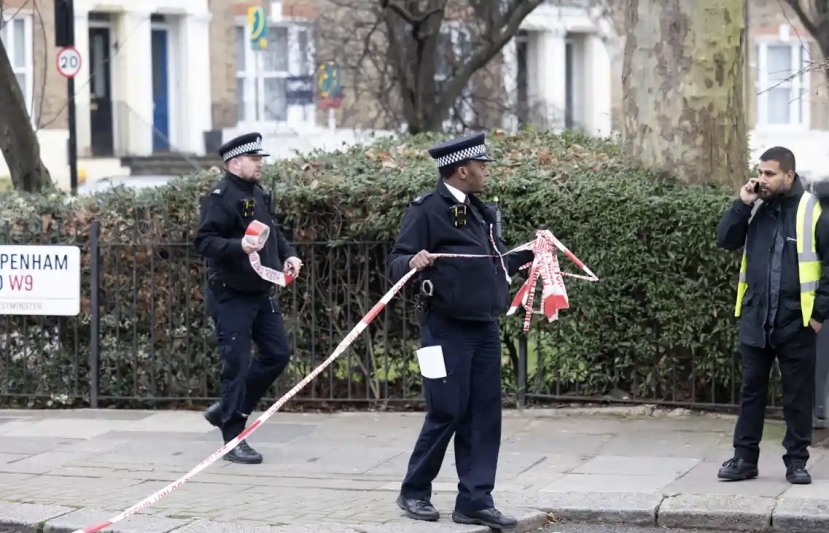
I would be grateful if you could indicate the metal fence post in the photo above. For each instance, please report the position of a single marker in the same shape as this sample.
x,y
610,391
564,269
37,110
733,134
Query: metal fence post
x,y
94,315
522,369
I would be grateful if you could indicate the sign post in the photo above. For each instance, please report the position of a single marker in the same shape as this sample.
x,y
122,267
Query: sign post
x,y
258,21
40,280
69,64
330,91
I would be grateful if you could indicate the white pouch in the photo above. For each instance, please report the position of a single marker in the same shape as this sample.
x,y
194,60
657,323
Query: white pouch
x,y
431,362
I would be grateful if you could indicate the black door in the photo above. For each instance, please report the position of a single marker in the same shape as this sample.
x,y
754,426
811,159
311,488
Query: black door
x,y
100,104
523,97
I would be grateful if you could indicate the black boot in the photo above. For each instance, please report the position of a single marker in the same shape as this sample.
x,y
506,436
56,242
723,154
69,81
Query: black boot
x,y
213,414
418,509
491,518
796,474
736,469
243,454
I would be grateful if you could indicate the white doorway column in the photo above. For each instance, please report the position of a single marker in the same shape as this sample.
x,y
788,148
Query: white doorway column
x,y
599,83
134,72
82,85
510,76
196,115
551,64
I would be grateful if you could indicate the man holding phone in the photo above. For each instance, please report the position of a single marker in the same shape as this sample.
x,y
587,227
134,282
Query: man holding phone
x,y
782,301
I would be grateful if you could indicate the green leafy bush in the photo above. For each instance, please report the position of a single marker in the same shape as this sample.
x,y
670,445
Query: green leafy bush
x,y
657,326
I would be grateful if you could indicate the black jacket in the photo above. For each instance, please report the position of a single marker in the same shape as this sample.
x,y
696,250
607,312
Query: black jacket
x,y
469,289
224,219
771,312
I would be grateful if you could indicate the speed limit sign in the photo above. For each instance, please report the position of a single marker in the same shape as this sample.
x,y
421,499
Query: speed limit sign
x,y
69,61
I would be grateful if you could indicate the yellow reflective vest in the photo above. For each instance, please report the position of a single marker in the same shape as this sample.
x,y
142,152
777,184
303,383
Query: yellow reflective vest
x,y
808,262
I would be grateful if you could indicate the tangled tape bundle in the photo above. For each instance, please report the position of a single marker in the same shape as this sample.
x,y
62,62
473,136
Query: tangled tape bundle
x,y
544,266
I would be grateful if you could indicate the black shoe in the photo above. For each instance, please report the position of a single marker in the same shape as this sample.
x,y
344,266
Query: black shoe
x,y
491,518
213,414
243,454
737,469
797,474
418,509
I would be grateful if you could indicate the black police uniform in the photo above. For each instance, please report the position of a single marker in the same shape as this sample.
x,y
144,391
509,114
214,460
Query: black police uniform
x,y
463,314
771,325
240,302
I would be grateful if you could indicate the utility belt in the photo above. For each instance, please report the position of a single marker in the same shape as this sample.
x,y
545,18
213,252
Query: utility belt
x,y
423,304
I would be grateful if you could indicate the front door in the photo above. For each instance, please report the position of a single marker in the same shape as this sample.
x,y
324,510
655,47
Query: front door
x,y
161,107
100,103
522,81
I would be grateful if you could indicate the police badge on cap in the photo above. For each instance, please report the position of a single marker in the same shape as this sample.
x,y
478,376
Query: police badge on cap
x,y
459,150
248,144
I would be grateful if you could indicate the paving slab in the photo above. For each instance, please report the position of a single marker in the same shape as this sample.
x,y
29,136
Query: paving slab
x,y
798,515
636,509
206,526
716,511
329,472
28,517
68,523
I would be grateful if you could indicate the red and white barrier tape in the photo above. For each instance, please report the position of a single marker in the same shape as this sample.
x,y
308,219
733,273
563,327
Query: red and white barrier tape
x,y
546,267
544,248
257,233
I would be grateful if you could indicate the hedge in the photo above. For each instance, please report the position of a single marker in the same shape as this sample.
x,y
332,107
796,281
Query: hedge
x,y
657,326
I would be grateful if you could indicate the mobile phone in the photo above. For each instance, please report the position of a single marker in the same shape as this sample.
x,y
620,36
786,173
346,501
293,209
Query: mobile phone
x,y
756,187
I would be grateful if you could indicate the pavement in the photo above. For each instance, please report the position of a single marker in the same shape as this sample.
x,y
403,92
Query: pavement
x,y
325,473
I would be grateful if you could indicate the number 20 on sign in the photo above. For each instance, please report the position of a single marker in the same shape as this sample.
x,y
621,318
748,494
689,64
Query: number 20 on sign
x,y
69,61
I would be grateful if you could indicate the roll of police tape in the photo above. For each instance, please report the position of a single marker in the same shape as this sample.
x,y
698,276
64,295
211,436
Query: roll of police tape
x,y
544,265
257,234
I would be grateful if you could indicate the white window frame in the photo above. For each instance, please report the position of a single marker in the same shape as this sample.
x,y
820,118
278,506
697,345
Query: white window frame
x,y
28,69
799,86
456,29
298,116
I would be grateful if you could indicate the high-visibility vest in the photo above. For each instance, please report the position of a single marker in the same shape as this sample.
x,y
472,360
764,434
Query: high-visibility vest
x,y
808,262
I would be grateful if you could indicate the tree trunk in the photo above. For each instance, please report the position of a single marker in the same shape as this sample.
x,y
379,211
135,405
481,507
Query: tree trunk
x,y
683,89
18,141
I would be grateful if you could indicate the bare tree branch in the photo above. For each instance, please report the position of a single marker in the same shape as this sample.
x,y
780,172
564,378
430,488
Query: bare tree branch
x,y
810,26
18,141
422,62
498,36
406,15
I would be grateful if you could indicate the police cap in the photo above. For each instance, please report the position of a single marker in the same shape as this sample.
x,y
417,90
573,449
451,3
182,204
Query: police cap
x,y
247,144
459,150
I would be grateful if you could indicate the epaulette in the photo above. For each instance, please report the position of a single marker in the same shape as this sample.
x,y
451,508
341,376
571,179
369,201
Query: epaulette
x,y
420,197
220,188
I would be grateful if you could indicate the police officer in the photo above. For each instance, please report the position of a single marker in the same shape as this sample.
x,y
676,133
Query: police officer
x,y
782,301
461,300
240,302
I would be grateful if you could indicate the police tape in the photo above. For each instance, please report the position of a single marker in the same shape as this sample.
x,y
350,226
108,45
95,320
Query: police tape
x,y
257,234
544,266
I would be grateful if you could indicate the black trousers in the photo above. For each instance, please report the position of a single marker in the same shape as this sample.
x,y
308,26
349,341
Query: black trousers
x,y
466,404
240,320
796,358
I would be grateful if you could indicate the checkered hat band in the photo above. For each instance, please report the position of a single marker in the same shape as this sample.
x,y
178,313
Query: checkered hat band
x,y
461,155
246,148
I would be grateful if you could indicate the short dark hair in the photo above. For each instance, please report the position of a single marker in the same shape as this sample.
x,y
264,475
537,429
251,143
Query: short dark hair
x,y
783,156
449,171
